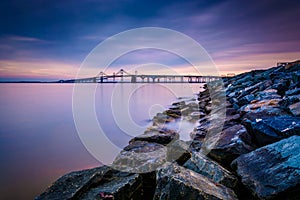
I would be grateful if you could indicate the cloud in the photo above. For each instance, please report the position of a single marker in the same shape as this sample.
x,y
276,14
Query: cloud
x,y
24,39
37,70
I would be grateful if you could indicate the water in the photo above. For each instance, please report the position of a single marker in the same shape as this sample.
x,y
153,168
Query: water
x,y
38,137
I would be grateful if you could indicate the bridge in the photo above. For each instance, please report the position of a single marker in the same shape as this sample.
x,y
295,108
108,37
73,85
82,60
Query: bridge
x,y
124,77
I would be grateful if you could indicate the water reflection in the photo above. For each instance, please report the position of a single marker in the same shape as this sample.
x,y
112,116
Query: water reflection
x,y
38,139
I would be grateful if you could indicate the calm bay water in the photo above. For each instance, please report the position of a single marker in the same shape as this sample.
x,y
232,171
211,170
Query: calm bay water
x,y
38,137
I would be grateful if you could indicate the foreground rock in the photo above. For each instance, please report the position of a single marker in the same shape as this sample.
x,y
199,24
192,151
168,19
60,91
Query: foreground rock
x,y
176,182
98,183
210,169
272,171
157,135
140,157
229,144
269,130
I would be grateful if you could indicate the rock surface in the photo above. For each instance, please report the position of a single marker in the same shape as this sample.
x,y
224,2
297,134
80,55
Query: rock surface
x,y
176,182
295,109
272,171
98,183
272,129
211,169
157,135
140,157
229,144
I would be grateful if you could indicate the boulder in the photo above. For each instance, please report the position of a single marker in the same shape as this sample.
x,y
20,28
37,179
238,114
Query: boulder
x,y
140,157
262,113
158,135
273,171
295,109
176,182
179,151
228,144
179,104
289,100
210,169
254,105
197,115
160,119
292,92
268,94
251,89
127,187
281,85
229,110
173,113
272,129
246,99
98,183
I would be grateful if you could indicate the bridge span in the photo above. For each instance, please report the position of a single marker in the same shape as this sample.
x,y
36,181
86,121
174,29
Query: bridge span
x,y
124,77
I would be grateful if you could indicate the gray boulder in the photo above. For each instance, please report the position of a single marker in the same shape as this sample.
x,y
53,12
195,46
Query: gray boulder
x,y
228,144
273,171
210,169
157,135
176,182
140,157
295,109
98,183
269,130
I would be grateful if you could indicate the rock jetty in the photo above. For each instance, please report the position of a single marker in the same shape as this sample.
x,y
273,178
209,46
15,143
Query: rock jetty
x,y
245,145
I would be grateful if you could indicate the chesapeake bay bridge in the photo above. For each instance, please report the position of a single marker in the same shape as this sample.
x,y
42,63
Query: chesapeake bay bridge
x,y
124,77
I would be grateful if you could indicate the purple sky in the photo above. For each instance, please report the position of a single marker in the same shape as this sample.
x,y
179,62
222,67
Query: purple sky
x,y
46,40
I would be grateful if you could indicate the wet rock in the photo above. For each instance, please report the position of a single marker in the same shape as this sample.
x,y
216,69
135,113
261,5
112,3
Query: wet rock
x,y
160,119
140,157
293,92
268,95
295,109
247,79
289,100
232,118
176,182
196,145
126,187
281,85
296,78
104,180
197,115
198,133
210,169
252,89
262,113
193,106
228,144
254,105
273,171
179,151
157,135
179,104
246,99
272,129
173,113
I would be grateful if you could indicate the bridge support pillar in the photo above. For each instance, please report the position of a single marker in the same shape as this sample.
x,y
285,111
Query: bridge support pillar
x,y
133,79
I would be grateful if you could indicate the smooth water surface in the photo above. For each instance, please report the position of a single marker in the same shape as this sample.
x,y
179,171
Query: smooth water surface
x,y
38,137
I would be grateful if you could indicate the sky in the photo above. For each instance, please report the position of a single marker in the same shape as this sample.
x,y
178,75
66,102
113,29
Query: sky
x,y
49,40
